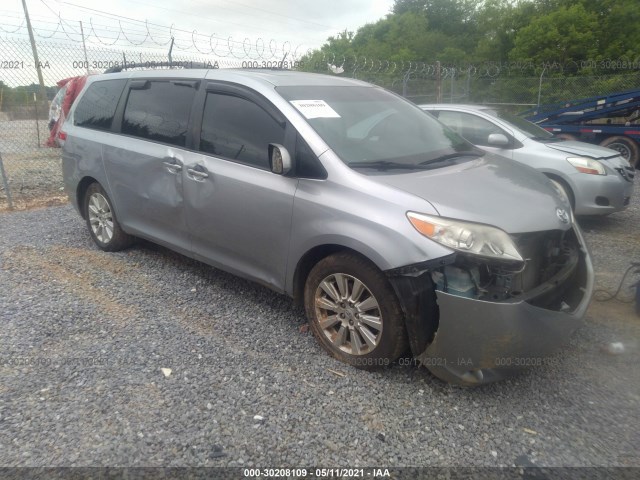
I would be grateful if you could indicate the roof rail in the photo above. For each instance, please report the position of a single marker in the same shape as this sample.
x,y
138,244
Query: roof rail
x,y
169,65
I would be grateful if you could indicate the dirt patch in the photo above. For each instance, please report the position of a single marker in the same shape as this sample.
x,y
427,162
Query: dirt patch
x,y
72,269
24,202
614,313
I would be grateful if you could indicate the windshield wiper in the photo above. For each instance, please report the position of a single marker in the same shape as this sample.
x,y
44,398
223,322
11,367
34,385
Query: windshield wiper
x,y
451,156
386,165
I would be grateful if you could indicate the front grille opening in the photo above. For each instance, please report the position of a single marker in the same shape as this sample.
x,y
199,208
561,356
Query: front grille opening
x,y
628,173
550,259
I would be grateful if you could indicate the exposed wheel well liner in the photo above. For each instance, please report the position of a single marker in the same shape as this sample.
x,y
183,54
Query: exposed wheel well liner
x,y
81,191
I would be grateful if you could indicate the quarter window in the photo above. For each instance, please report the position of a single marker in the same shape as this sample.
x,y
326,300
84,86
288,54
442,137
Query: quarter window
x,y
307,164
98,105
238,129
160,112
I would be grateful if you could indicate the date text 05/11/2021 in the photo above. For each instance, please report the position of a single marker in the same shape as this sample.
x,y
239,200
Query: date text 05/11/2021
x,y
316,472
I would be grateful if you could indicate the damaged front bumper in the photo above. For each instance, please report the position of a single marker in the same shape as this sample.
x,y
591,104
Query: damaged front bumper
x,y
471,340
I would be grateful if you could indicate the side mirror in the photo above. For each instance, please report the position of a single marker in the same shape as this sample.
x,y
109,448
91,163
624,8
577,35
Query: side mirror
x,y
279,159
498,140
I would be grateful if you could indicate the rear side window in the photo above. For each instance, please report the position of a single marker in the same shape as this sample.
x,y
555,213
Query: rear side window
x,y
237,129
159,111
98,105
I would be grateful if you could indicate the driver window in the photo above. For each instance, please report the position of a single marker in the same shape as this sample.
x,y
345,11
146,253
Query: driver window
x,y
473,128
239,130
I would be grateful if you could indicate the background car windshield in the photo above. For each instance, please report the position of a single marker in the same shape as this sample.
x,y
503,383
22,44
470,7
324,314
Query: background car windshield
x,y
368,124
529,129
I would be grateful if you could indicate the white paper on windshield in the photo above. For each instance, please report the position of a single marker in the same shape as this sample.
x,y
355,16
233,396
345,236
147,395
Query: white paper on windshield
x,y
315,109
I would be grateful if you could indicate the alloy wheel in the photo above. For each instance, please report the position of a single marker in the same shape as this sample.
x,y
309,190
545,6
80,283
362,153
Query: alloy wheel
x,y
348,314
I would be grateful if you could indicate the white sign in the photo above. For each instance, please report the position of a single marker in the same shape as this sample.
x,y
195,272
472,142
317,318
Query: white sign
x,y
314,109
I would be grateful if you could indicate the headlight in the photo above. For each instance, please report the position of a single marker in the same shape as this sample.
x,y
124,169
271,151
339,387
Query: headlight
x,y
466,237
587,165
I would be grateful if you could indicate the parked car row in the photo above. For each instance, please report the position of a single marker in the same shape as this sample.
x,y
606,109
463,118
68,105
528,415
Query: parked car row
x,y
391,229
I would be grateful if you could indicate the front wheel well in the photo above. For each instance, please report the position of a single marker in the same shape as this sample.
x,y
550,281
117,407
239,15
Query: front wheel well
x,y
308,261
565,185
81,191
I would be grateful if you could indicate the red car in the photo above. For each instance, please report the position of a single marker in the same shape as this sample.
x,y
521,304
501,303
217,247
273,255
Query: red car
x,y
60,105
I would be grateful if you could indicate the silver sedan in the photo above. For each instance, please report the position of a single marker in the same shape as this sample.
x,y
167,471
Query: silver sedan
x,y
597,180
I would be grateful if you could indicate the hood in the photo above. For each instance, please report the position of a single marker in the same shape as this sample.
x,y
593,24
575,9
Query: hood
x,y
490,190
583,149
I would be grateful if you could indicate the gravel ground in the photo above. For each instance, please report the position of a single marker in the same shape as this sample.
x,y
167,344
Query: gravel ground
x,y
97,328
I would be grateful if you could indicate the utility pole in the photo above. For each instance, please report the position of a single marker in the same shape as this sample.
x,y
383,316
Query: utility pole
x,y
43,91
84,47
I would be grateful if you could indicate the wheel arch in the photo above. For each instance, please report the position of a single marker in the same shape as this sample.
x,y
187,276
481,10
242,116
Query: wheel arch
x,y
309,260
565,184
81,190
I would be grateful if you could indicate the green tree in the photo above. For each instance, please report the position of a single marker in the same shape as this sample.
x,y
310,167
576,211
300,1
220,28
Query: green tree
x,y
569,33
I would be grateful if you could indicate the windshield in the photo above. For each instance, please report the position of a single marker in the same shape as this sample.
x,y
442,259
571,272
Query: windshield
x,y
370,127
531,130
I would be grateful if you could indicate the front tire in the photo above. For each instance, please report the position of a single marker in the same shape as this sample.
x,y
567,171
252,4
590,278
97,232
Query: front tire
x,y
101,221
354,312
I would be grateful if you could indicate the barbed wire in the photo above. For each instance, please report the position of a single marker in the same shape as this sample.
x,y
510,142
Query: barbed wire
x,y
143,34
152,35
351,65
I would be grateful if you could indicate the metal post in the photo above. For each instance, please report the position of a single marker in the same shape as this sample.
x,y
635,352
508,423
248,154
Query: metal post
x,y
43,91
453,74
5,181
438,83
405,82
171,50
35,106
540,89
84,47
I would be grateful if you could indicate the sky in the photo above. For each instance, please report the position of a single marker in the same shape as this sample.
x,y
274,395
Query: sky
x,y
307,23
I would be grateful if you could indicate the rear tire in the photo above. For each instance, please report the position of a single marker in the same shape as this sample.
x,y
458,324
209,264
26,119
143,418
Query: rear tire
x,y
627,147
101,221
354,312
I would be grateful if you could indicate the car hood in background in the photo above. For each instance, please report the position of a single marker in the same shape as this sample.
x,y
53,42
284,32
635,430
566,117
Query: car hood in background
x,y
583,149
490,190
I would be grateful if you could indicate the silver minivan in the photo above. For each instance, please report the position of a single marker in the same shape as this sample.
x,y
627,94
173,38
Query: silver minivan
x,y
393,232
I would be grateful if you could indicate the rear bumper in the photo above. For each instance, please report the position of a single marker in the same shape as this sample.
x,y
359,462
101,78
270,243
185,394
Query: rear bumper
x,y
476,341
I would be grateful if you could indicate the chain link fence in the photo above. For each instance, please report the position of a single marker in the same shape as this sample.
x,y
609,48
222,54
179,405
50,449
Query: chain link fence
x,y
515,93
31,170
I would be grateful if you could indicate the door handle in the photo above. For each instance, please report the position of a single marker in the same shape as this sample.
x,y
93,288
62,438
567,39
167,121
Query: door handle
x,y
197,174
173,165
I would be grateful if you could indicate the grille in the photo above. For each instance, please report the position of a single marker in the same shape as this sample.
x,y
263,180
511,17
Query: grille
x,y
628,173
